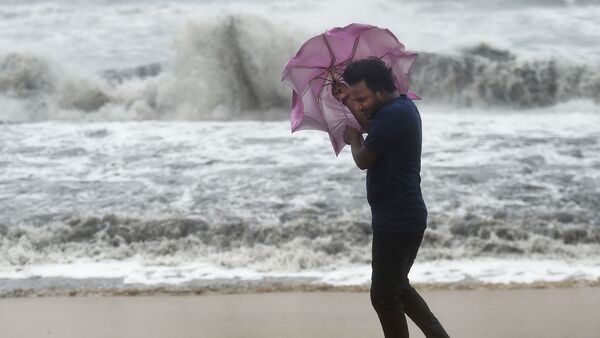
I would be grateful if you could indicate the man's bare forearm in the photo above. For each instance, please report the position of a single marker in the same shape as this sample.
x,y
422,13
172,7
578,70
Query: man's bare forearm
x,y
355,146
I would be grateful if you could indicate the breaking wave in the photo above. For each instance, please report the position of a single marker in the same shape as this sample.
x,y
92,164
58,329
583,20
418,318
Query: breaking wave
x,y
483,76
297,244
230,68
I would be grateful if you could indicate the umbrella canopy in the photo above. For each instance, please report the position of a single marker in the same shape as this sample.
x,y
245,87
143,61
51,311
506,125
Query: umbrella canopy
x,y
319,65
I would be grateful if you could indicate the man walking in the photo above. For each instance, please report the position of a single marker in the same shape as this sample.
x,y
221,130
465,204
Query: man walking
x,y
391,153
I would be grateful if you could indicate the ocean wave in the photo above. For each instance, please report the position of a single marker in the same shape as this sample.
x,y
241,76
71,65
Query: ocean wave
x,y
483,75
37,87
229,69
119,76
294,245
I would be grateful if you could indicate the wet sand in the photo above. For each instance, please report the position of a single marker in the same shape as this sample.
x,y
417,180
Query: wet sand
x,y
547,313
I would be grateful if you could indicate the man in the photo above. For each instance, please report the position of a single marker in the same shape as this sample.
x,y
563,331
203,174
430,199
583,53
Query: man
x,y
391,153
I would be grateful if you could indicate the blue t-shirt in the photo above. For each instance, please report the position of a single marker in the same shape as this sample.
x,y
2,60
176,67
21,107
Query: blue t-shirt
x,y
394,180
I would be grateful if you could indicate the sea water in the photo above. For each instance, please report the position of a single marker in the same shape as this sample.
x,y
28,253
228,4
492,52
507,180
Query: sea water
x,y
149,142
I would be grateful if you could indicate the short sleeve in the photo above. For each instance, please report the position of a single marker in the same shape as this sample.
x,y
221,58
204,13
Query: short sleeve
x,y
385,128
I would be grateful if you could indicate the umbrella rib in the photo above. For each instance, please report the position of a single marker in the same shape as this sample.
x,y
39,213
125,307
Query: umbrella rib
x,y
317,78
310,67
331,55
355,45
310,82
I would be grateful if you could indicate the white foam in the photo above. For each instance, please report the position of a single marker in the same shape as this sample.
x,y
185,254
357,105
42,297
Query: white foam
x,y
205,49
485,270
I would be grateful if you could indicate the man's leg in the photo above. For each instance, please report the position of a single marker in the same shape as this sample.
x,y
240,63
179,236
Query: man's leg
x,y
391,293
415,306
391,261
419,312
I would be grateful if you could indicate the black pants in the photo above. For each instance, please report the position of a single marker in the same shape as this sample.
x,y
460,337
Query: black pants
x,y
392,295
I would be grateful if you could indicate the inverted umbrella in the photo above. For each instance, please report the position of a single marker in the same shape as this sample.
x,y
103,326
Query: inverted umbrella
x,y
318,66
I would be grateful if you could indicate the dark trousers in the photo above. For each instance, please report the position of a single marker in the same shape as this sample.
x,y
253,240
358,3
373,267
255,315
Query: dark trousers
x,y
392,295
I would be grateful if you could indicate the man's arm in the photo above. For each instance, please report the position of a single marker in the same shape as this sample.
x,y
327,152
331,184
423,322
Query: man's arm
x,y
363,157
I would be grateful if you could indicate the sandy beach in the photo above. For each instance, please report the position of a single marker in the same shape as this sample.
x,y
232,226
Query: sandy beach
x,y
548,313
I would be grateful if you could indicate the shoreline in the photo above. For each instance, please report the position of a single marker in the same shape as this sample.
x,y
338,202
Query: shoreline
x,y
133,278
70,287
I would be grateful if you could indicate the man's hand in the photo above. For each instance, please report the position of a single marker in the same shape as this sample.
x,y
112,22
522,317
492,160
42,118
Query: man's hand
x,y
351,134
363,157
339,90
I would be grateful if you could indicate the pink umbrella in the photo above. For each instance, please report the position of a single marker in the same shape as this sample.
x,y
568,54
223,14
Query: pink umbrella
x,y
320,63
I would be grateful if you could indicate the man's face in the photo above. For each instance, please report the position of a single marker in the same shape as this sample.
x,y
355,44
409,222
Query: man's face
x,y
363,99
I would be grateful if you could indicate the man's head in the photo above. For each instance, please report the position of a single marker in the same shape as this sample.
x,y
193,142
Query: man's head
x,y
371,84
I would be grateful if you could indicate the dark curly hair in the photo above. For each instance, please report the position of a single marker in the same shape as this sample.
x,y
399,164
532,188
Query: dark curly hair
x,y
377,75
